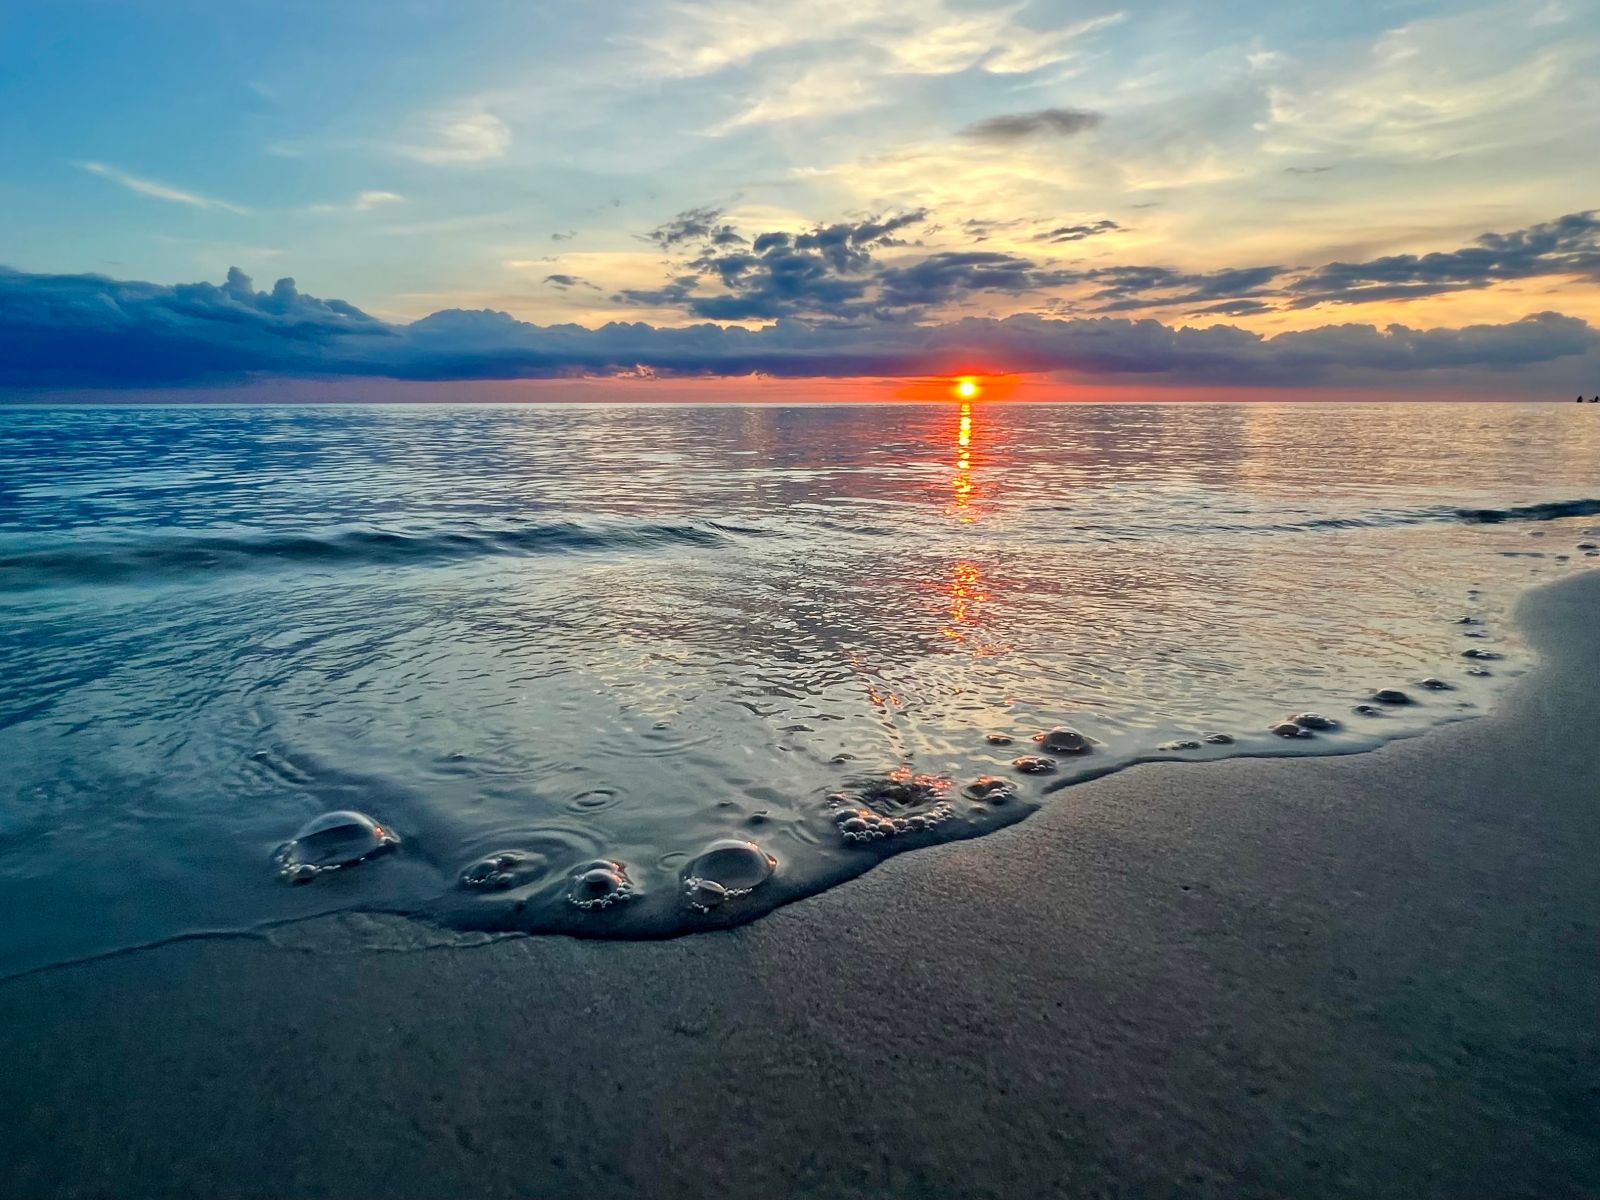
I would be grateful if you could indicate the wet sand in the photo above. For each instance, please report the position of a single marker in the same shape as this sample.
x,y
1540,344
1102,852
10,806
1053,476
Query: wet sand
x,y
1367,976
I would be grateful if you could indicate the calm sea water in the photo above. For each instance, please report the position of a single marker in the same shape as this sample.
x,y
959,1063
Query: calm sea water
x,y
571,634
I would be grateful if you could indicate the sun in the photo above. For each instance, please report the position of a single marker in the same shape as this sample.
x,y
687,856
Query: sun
x,y
966,388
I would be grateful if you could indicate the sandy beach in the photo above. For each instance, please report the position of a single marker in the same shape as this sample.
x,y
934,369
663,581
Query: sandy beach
x,y
1365,976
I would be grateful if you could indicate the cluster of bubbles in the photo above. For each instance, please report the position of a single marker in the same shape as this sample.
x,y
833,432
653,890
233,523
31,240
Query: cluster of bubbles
x,y
502,869
901,802
726,869
1305,724
1205,739
871,809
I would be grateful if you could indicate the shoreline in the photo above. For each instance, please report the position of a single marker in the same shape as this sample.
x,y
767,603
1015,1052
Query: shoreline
x,y
1369,974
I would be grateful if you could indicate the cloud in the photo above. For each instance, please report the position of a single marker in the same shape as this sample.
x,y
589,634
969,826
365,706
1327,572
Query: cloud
x,y
160,191
1123,289
867,269
694,225
467,135
363,202
1054,122
1468,80
367,201
1077,233
823,90
827,273
92,331
564,281
1567,246
908,37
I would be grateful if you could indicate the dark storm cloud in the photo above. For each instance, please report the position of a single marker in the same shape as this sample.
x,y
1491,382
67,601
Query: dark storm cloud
x,y
671,294
1077,233
1566,246
839,306
952,275
70,329
1569,245
84,330
830,273
981,229
694,225
1013,127
1233,308
1124,289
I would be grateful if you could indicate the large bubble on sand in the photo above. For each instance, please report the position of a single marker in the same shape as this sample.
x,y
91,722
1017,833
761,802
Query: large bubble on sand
x,y
1062,740
599,884
331,842
731,866
1314,720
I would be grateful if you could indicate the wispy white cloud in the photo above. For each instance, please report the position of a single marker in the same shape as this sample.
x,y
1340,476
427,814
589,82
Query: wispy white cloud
x,y
820,58
157,190
363,202
461,135
823,90
1464,83
367,201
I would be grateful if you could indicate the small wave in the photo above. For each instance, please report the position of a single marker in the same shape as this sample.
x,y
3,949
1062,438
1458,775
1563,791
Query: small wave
x,y
1554,510
1380,519
176,556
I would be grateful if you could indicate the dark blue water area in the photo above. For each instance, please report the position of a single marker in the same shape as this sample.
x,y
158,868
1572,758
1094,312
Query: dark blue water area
x,y
541,644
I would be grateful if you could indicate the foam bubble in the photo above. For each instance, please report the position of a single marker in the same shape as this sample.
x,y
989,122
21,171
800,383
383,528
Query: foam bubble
x,y
501,870
1435,685
1180,744
991,788
735,865
901,791
1288,729
998,739
1313,720
1030,764
705,894
860,824
1484,655
1219,739
331,842
599,884
1392,695
1062,740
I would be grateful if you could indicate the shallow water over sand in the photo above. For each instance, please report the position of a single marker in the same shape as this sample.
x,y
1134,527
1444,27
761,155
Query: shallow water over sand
x,y
543,644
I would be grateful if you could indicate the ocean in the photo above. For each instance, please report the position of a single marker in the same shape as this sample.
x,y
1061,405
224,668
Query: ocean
x,y
639,671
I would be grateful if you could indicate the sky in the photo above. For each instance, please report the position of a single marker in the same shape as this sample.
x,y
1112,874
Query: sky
x,y
535,200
